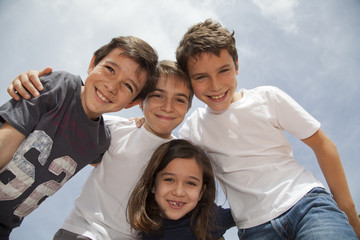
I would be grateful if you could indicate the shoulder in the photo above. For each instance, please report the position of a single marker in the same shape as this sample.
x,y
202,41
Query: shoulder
x,y
113,119
266,90
196,114
268,93
115,122
61,79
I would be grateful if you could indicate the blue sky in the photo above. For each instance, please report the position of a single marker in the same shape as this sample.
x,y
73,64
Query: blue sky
x,y
307,48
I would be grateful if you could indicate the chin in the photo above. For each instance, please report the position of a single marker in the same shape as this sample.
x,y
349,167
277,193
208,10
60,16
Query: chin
x,y
175,217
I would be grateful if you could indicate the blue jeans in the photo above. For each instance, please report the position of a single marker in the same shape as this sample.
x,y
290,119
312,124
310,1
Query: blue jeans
x,y
316,216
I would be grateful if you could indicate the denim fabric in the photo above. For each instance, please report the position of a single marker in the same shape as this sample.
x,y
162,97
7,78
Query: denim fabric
x,y
316,216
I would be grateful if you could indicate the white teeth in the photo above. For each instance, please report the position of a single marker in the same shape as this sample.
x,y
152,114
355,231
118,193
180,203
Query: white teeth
x,y
218,96
176,203
101,96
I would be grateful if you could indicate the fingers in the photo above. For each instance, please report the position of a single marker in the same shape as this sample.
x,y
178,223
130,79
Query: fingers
x,y
36,83
12,92
139,121
27,83
45,71
18,87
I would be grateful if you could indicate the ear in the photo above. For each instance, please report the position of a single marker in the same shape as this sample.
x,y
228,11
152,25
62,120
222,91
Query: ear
x,y
237,67
133,103
92,65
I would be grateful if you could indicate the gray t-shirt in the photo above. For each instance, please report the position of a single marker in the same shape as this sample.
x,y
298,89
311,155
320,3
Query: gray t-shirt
x,y
60,141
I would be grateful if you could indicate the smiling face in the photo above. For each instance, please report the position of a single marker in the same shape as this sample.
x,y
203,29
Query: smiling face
x,y
213,79
179,187
112,84
165,107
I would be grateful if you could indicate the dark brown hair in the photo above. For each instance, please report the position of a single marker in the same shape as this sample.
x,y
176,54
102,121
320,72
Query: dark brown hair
x,y
143,211
140,51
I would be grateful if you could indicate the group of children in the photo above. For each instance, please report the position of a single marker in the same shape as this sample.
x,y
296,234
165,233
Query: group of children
x,y
238,137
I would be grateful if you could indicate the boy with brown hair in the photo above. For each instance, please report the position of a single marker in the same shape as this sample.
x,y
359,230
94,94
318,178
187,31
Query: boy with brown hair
x,y
271,196
44,141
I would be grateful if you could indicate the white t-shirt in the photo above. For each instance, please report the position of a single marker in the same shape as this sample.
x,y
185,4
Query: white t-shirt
x,y
251,154
100,210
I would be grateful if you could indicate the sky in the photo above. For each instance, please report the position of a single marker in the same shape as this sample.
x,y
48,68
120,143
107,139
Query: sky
x,y
306,48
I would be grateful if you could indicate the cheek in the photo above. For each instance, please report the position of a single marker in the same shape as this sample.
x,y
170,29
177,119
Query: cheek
x,y
181,110
159,190
195,195
160,194
233,81
197,87
146,112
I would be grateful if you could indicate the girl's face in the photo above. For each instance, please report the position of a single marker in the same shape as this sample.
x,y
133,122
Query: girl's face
x,y
179,187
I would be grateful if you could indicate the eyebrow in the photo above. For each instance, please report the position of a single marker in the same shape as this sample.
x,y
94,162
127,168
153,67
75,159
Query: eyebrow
x,y
177,94
172,174
118,67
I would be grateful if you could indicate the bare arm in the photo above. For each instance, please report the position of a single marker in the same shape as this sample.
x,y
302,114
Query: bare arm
x,y
27,82
331,166
10,140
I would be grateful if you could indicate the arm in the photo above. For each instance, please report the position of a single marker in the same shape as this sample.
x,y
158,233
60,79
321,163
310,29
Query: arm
x,y
330,164
10,140
223,221
28,81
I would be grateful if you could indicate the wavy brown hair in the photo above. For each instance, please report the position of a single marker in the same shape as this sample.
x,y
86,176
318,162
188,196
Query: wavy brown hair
x,y
143,211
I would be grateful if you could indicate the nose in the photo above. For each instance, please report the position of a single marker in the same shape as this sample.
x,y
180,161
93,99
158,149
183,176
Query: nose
x,y
179,190
112,86
214,85
166,105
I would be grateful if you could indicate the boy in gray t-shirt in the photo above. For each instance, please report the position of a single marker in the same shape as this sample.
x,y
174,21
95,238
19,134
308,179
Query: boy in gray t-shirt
x,y
44,141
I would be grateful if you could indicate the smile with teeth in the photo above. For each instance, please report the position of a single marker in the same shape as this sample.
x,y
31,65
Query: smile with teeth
x,y
175,203
102,97
217,97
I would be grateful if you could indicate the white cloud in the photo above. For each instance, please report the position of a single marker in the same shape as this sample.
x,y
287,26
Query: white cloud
x,y
307,48
281,11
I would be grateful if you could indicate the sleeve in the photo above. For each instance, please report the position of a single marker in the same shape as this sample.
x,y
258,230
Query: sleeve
x,y
223,221
292,117
24,114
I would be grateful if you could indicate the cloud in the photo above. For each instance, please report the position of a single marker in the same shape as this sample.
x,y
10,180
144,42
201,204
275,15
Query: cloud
x,y
280,11
307,48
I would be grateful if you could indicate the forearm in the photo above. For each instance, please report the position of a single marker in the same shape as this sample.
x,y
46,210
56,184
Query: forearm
x,y
10,140
5,156
335,177
331,166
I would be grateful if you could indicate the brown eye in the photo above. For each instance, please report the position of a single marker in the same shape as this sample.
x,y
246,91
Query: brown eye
x,y
129,87
224,71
